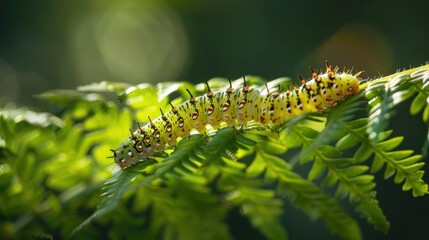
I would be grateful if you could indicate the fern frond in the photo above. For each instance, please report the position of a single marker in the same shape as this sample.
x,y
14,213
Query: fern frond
x,y
351,179
171,207
259,205
113,191
187,191
421,103
386,93
402,162
301,192
383,95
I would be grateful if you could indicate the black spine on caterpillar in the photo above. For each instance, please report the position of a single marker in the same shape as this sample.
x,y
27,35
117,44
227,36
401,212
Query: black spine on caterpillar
x,y
235,107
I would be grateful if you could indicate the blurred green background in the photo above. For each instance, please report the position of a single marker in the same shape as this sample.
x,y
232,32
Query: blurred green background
x,y
62,44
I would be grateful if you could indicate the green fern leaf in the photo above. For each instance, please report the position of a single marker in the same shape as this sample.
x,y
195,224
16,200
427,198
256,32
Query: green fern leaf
x,y
385,93
304,194
261,206
113,191
406,168
358,188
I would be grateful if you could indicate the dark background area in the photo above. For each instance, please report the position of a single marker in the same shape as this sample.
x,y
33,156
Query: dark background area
x,y
57,44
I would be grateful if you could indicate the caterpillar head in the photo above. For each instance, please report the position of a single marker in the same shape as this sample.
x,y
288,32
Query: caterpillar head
x,y
126,154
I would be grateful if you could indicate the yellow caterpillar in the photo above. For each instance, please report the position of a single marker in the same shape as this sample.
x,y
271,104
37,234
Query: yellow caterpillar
x,y
236,107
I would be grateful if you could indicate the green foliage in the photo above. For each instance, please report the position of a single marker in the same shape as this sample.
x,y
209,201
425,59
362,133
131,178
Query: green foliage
x,y
53,165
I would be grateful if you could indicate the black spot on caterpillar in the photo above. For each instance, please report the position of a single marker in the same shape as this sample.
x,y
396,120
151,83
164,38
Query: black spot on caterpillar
x,y
235,107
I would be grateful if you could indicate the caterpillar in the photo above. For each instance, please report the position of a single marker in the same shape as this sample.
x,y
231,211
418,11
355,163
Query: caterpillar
x,y
235,107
